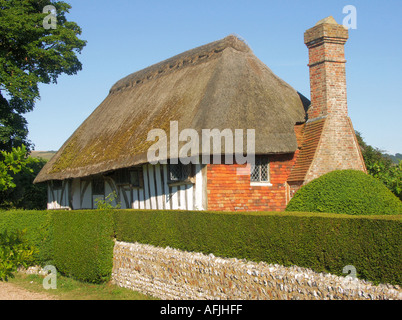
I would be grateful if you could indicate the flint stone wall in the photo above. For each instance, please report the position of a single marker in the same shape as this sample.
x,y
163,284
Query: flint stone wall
x,y
169,273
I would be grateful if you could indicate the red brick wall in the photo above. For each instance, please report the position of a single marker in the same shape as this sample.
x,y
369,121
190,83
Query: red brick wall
x,y
327,80
229,191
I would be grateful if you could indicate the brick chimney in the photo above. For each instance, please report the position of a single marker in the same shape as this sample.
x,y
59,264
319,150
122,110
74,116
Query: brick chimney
x,y
330,140
325,42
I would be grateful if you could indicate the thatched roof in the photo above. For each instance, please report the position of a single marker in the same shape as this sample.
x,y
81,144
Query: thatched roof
x,y
218,85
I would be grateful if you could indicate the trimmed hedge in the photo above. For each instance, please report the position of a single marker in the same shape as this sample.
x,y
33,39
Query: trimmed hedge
x,y
346,191
322,242
80,243
38,230
83,244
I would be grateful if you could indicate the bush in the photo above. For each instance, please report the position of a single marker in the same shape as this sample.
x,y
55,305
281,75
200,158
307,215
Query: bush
x,y
107,203
346,191
83,244
38,231
322,242
15,251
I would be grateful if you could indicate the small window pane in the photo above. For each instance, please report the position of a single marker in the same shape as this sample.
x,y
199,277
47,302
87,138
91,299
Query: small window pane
x,y
255,172
264,172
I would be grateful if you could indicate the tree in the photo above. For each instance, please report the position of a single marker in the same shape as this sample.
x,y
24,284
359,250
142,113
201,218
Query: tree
x,y
381,166
391,176
30,54
14,162
26,195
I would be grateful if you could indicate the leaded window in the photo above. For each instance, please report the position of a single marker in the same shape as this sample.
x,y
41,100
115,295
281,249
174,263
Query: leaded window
x,y
179,172
260,169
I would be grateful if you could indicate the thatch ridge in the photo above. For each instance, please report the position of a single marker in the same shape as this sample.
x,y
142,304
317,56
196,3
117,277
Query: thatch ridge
x,y
182,60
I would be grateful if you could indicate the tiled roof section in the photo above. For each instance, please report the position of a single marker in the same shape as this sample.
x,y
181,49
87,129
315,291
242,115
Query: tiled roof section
x,y
311,138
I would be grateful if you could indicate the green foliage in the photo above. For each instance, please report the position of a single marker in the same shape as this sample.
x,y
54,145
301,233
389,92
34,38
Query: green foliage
x,y
80,243
38,231
107,203
322,242
15,251
383,166
83,244
12,163
345,191
391,176
30,55
26,195
17,172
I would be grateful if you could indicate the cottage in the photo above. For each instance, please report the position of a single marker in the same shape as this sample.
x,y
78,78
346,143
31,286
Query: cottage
x,y
218,86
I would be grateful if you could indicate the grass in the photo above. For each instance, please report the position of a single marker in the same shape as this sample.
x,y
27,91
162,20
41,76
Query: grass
x,y
70,289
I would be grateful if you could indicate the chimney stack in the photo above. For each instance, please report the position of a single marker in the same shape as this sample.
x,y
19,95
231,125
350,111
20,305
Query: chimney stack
x,y
328,124
325,42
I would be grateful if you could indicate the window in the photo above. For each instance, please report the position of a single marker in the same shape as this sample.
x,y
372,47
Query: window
x,y
98,186
131,177
136,177
179,172
260,170
57,184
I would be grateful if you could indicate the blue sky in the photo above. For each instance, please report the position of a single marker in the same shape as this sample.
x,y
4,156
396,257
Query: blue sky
x,y
125,36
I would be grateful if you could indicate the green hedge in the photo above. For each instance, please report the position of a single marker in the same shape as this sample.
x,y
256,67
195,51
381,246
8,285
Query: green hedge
x,y
322,242
346,191
83,244
80,243
38,230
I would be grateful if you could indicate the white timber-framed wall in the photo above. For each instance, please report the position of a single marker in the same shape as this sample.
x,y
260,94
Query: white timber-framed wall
x,y
155,190
58,194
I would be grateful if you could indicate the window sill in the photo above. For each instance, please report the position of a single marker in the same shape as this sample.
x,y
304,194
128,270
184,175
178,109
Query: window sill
x,y
180,183
260,184
128,185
